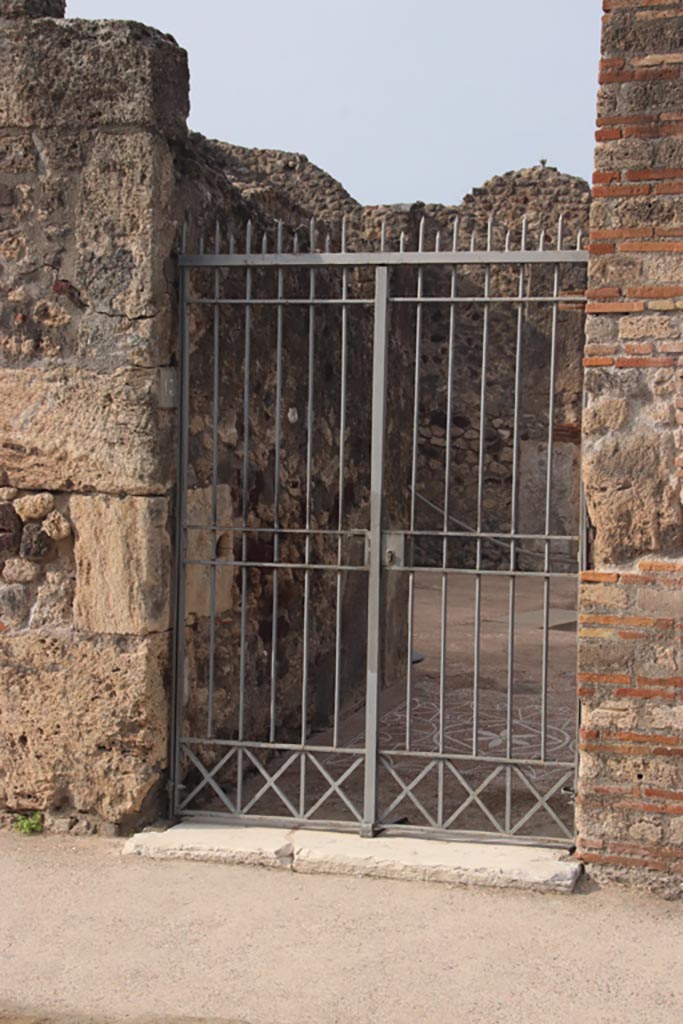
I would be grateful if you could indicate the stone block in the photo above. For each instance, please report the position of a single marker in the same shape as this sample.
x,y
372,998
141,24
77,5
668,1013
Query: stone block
x,y
36,545
632,494
123,564
90,74
10,531
660,603
84,724
57,526
602,596
20,570
624,35
34,506
66,428
608,413
124,227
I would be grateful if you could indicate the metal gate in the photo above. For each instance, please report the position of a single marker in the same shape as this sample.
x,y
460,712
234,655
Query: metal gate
x,y
380,529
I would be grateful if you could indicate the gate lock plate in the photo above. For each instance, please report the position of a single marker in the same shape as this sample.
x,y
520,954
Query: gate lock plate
x,y
393,550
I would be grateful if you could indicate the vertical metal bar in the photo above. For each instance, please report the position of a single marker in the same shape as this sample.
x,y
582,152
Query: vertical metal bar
x,y
444,551
179,679
340,485
480,501
245,514
413,487
307,543
512,584
276,489
214,487
512,591
375,580
548,498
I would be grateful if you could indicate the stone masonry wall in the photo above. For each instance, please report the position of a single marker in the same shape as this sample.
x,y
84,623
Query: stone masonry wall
x,y
89,115
630,809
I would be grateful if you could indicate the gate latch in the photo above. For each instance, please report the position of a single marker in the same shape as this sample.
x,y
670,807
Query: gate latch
x,y
393,550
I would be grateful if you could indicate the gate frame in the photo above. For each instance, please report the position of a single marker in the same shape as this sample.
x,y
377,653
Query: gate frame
x,y
382,262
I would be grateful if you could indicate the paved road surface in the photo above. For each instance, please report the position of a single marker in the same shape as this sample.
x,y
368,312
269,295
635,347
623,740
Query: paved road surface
x,y
86,932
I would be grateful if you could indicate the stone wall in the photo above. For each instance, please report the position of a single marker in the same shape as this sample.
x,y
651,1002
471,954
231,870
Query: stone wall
x,y
630,806
91,113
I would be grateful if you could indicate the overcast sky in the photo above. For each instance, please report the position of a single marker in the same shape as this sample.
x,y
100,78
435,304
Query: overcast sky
x,y
399,99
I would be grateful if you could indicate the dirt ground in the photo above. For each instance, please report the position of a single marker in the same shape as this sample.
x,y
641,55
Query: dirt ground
x,y
85,933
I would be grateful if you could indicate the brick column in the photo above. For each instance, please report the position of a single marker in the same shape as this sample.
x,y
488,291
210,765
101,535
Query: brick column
x,y
90,113
630,808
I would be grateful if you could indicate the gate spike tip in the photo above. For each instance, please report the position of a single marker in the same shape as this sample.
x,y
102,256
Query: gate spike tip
x,y
328,243
560,230
232,244
489,233
507,240
421,235
279,236
183,239
201,244
579,239
525,224
217,238
295,242
264,243
437,242
312,234
343,233
541,242
456,226
402,242
473,240
249,232
383,235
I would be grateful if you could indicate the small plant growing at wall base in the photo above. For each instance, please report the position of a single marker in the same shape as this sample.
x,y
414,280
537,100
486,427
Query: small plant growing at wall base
x,y
29,824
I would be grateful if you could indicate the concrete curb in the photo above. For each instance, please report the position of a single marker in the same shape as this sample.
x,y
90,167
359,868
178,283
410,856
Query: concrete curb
x,y
530,868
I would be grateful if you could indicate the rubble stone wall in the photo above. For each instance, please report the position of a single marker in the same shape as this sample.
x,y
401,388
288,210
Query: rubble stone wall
x,y
290,187
630,809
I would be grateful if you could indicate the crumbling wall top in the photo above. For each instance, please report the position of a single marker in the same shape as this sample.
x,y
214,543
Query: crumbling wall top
x,y
32,8
67,74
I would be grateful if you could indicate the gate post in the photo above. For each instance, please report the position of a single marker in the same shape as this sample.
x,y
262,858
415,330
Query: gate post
x,y
376,578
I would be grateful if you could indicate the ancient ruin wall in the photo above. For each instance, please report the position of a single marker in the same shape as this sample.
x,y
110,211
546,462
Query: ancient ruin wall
x,y
295,190
90,112
630,652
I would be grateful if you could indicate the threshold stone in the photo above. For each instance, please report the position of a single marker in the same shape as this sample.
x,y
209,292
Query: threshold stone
x,y
339,853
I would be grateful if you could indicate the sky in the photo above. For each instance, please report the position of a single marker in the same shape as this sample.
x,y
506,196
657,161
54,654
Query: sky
x,y
400,100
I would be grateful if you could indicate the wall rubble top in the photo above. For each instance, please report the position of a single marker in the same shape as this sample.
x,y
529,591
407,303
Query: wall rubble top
x,y
33,8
